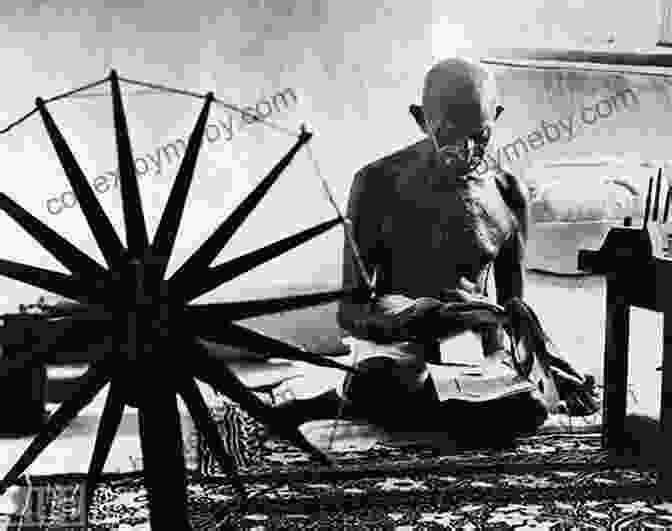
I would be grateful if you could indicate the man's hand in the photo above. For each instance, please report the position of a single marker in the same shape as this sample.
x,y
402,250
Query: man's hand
x,y
493,337
466,291
397,317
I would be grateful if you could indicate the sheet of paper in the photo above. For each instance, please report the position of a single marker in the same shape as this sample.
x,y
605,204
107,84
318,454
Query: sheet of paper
x,y
477,384
465,348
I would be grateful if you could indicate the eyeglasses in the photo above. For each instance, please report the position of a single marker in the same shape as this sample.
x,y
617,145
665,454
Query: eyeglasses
x,y
475,142
467,148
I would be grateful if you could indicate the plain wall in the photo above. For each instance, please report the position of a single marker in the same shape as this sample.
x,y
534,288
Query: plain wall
x,y
354,67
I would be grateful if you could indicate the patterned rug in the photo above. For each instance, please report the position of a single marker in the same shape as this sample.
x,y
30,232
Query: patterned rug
x,y
486,492
552,481
617,499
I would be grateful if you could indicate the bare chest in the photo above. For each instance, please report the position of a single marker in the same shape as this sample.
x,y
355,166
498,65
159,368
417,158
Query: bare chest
x,y
468,221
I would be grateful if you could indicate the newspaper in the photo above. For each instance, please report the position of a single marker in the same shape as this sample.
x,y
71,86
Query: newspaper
x,y
475,385
467,375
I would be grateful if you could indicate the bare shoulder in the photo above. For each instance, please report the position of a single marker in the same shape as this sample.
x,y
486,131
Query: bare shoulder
x,y
383,172
513,190
516,195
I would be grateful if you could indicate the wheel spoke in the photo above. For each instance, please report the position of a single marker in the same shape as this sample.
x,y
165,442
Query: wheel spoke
x,y
216,276
163,458
239,336
107,431
68,286
220,377
234,311
137,240
166,233
199,411
106,237
60,248
209,250
92,382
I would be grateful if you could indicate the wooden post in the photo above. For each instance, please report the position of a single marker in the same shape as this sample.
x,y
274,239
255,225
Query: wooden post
x,y
617,336
665,465
159,418
163,458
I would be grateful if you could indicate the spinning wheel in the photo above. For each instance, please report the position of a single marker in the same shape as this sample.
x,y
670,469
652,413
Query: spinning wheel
x,y
153,348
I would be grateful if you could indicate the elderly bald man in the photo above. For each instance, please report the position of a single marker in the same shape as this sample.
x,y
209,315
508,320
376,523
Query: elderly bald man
x,y
430,222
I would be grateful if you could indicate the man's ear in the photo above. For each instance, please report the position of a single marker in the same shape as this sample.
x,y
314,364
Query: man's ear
x,y
418,115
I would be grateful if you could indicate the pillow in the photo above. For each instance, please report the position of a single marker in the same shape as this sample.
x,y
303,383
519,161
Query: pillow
x,y
567,216
565,200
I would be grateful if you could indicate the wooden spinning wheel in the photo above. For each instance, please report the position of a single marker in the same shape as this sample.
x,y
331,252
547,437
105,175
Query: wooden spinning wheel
x,y
152,333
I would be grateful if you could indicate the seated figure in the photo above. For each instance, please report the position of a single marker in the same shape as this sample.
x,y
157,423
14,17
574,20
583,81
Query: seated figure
x,y
430,222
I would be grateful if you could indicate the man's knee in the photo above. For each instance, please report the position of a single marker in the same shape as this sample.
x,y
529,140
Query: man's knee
x,y
383,374
383,385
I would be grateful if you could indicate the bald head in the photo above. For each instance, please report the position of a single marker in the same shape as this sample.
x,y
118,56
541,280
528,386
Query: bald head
x,y
459,96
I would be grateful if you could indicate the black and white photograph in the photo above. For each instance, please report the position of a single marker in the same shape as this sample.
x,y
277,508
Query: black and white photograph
x,y
321,264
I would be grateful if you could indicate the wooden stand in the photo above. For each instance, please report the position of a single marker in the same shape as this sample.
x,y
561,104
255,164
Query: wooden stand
x,y
638,272
23,393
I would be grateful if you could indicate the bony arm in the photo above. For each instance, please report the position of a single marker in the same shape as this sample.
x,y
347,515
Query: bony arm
x,y
394,318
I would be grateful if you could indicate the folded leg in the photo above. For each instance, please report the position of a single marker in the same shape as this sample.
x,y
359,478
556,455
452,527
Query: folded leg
x,y
379,396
